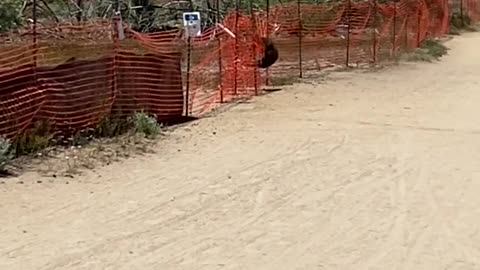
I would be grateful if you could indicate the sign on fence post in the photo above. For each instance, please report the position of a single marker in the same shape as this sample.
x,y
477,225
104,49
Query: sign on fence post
x,y
121,31
192,24
192,27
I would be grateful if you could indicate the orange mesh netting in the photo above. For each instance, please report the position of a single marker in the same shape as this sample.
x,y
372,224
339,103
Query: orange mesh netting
x,y
75,75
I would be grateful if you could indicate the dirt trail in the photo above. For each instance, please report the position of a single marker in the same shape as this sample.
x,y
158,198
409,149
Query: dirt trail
x,y
365,171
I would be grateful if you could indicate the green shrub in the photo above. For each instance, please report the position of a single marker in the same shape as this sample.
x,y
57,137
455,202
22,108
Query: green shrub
x,y
146,125
6,154
140,122
435,48
112,126
10,15
454,30
459,21
429,51
34,139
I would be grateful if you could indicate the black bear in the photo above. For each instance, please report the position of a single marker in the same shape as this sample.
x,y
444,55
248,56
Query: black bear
x,y
270,55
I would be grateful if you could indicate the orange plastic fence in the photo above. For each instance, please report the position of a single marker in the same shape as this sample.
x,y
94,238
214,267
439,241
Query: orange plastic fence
x,y
75,75
310,37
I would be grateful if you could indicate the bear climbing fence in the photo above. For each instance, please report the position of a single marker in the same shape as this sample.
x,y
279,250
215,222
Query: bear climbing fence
x,y
73,75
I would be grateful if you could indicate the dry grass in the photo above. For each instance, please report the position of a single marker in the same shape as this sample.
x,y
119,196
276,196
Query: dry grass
x,y
112,140
58,161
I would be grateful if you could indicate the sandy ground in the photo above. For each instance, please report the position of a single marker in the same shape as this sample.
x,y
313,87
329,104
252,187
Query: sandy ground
x,y
361,171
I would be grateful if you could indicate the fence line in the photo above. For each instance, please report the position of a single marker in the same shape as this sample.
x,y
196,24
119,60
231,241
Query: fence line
x,y
75,75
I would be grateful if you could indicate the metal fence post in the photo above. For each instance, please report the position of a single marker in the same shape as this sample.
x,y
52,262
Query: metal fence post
x,y
34,18
237,10
267,71
394,34
300,41
406,33
255,79
220,64
347,56
418,26
187,91
462,19
375,23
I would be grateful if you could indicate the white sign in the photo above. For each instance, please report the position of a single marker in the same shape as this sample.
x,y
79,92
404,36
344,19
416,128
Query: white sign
x,y
191,23
121,31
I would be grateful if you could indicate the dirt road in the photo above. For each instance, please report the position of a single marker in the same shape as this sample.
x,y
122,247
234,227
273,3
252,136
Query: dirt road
x,y
362,171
